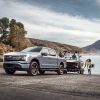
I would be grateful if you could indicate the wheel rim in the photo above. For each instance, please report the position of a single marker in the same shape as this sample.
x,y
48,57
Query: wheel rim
x,y
34,68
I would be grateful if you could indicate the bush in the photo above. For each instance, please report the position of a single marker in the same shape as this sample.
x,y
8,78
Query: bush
x,y
1,51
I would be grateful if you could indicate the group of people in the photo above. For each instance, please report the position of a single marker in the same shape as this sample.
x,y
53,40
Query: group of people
x,y
88,63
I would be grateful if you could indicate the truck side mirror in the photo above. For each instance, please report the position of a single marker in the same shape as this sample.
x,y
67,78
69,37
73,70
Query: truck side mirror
x,y
61,55
44,54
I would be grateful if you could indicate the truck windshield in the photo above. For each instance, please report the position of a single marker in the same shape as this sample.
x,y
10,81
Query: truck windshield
x,y
32,49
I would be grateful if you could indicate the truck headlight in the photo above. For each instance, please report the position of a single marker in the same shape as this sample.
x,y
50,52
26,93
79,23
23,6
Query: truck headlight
x,y
23,58
19,58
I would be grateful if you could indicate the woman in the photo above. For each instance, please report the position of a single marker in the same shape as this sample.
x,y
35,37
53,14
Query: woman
x,y
88,65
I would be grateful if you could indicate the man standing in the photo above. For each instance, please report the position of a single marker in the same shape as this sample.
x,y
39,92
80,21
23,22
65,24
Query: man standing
x,y
74,57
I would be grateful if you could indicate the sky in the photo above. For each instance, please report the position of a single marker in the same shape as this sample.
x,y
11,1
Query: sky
x,y
74,22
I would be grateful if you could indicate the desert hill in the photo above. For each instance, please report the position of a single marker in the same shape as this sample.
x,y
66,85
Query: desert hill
x,y
34,42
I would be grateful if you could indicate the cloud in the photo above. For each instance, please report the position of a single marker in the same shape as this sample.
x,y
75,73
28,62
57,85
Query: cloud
x,y
98,1
49,25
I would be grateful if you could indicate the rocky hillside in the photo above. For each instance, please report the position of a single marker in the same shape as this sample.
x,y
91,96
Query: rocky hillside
x,y
93,48
54,45
34,42
5,48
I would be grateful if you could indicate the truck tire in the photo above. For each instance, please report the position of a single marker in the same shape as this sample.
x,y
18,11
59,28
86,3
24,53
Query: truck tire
x,y
60,71
33,69
65,71
10,71
41,72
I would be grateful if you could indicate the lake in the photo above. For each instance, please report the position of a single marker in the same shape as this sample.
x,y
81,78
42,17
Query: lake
x,y
95,61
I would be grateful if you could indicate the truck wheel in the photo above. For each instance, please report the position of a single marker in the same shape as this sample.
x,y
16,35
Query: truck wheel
x,y
60,70
41,72
33,69
10,71
65,71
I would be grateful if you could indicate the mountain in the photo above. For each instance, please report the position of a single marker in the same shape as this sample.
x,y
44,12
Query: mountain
x,y
93,48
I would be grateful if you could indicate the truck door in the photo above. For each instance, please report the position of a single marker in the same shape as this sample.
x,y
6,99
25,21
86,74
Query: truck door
x,y
44,61
53,58
50,60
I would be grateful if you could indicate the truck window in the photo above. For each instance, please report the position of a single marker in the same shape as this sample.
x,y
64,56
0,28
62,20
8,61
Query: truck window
x,y
52,52
32,49
45,50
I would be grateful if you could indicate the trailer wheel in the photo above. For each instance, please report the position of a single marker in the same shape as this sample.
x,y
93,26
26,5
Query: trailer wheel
x,y
82,71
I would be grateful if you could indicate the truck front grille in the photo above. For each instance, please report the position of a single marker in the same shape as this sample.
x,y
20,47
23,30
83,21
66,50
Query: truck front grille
x,y
11,58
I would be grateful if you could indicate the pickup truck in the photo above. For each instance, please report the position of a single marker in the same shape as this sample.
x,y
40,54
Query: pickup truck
x,y
34,60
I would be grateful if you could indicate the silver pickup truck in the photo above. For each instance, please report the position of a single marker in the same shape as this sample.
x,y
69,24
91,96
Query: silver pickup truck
x,y
34,60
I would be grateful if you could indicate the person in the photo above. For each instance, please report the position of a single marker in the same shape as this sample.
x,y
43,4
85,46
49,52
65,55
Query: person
x,y
89,65
74,56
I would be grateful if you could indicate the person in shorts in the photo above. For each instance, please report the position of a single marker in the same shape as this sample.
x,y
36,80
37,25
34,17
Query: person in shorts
x,y
89,65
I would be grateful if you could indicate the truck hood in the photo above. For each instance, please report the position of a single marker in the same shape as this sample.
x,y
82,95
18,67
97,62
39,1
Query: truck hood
x,y
22,53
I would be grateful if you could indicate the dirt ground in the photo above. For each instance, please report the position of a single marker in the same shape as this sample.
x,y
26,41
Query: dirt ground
x,y
50,86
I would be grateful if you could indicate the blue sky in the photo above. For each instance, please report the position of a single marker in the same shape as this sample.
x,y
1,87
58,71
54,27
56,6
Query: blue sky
x,y
75,22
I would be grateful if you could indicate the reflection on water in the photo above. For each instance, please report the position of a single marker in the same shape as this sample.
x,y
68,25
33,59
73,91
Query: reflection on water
x,y
95,61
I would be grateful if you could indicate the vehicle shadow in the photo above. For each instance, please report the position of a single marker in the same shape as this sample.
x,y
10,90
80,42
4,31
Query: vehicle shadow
x,y
46,74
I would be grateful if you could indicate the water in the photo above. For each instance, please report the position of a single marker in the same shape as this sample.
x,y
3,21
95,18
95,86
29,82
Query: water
x,y
95,61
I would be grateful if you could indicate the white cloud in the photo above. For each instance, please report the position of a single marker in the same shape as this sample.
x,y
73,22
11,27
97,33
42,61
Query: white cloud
x,y
98,1
48,25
